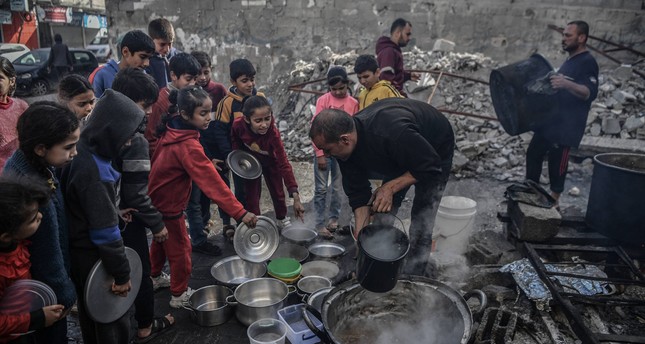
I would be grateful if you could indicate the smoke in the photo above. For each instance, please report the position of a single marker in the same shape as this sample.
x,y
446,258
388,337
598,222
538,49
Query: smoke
x,y
383,242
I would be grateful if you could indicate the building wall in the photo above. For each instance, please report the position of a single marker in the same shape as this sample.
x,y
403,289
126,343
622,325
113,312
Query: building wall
x,y
274,33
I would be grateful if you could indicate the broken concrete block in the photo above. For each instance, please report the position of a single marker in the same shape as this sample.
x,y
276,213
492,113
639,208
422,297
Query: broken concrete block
x,y
632,123
534,223
622,97
610,126
459,161
624,72
607,87
480,253
488,275
595,129
443,45
499,293
500,161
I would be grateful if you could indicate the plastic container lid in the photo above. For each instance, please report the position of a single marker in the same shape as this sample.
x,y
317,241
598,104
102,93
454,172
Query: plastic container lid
x,y
284,268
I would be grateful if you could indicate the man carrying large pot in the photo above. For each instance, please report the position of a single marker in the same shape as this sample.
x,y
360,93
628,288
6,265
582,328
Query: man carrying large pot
x,y
577,86
406,141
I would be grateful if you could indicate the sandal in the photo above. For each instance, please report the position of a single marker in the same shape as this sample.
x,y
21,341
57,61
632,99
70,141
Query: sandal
x,y
158,326
325,234
229,232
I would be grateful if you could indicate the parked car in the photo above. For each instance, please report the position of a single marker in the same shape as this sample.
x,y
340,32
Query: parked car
x,y
12,50
100,47
33,76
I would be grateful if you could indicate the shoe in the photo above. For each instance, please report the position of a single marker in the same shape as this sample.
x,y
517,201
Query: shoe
x,y
181,300
161,281
207,249
286,222
229,232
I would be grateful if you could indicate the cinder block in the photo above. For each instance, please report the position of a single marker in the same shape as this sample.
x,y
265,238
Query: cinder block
x,y
534,223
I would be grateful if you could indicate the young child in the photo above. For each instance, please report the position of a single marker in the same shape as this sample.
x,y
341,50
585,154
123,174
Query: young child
x,y
19,219
178,160
90,185
256,133
10,109
184,69
48,133
163,35
76,93
198,210
368,72
217,138
136,49
324,167
134,165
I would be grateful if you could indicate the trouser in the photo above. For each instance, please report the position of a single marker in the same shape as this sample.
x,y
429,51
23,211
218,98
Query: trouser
x,y
275,184
55,334
198,214
177,250
117,332
61,71
558,162
321,179
136,238
239,183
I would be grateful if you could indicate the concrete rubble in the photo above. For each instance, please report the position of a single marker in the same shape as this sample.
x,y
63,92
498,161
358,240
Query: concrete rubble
x,y
483,147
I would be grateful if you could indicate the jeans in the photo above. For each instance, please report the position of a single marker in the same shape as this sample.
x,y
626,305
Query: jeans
x,y
322,188
198,214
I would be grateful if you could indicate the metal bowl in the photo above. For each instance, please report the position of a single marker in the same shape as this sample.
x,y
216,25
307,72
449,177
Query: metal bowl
x,y
311,284
320,268
289,250
326,249
316,298
299,235
233,271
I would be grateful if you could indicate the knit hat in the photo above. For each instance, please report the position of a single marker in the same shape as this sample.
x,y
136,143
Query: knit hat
x,y
337,73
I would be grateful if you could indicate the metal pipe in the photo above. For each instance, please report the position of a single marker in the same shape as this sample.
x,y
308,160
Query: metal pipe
x,y
468,114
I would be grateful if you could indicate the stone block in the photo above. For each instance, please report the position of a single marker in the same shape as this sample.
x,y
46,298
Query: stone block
x,y
443,45
623,73
480,253
610,126
632,123
499,293
533,223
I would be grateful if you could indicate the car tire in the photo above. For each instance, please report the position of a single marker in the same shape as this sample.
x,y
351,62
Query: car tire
x,y
39,88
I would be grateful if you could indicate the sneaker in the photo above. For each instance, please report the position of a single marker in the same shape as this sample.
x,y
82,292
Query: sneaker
x,y
181,300
207,249
286,222
161,281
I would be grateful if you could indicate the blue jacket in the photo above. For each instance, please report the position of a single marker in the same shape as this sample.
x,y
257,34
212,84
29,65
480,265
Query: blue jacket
x,y
104,77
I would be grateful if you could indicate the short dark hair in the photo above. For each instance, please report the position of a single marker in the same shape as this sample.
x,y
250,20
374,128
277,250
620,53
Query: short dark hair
x,y
365,63
337,74
331,124
203,58
137,40
44,123
399,23
135,84
185,99
240,67
9,71
16,195
582,28
184,63
58,38
72,85
161,28
252,103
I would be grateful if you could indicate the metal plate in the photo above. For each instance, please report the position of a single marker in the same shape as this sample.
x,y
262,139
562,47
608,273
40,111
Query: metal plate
x,y
327,249
320,268
259,243
101,303
244,164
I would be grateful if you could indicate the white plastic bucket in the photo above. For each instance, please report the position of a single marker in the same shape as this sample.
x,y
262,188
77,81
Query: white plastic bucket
x,y
454,224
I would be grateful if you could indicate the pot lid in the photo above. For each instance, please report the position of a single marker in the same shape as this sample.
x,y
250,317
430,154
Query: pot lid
x,y
26,295
244,164
284,267
259,243
102,305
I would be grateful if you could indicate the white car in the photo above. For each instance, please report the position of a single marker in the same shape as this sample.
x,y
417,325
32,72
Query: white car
x,y
12,51
100,47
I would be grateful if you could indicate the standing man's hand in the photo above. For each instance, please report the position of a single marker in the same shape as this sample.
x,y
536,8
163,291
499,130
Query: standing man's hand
x,y
382,199
322,163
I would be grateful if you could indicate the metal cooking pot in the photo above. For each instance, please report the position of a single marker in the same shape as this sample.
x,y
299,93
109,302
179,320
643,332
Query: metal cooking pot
x,y
316,298
417,310
311,284
259,298
232,271
208,306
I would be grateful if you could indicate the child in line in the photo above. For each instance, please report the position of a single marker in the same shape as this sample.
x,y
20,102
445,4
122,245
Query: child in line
x,y
10,109
184,69
134,165
178,160
48,133
90,189
256,133
163,35
198,210
136,49
77,94
368,73
19,219
326,167
217,138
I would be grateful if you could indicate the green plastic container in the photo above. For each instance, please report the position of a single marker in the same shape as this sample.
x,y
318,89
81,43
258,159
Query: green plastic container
x,y
284,268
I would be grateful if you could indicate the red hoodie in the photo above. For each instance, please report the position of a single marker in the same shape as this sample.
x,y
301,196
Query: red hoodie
x,y
390,61
178,160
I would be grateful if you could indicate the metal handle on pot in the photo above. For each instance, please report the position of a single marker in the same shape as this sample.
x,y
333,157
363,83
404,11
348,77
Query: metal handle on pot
x,y
291,289
230,300
483,301
321,334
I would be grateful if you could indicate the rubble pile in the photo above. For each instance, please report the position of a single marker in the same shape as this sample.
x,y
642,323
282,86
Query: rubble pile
x,y
483,147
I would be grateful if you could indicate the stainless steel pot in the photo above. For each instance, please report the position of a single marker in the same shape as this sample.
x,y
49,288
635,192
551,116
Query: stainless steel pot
x,y
233,270
259,298
316,298
208,306
417,310
311,284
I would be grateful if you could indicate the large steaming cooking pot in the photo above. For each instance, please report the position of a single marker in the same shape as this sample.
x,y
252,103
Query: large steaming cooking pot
x,y
417,310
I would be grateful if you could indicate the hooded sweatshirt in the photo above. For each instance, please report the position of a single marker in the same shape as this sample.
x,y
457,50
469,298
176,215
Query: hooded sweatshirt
x,y
380,90
90,182
104,77
390,61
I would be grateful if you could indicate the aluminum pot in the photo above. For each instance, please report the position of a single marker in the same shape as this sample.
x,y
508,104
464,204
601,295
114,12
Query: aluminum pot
x,y
208,306
310,284
259,298
417,310
233,271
